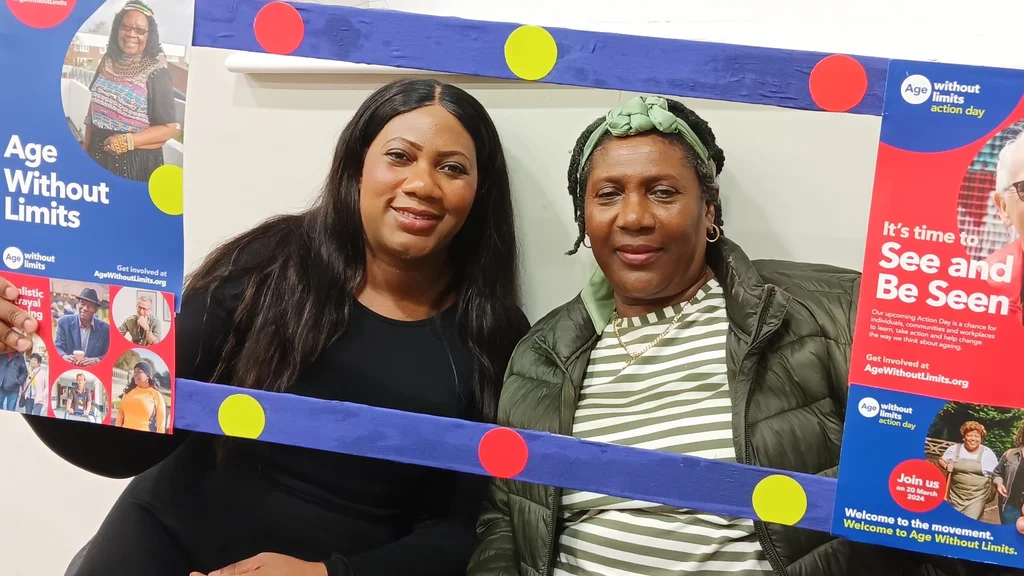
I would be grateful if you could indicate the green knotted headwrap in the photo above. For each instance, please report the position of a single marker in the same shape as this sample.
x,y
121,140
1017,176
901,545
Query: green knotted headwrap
x,y
643,114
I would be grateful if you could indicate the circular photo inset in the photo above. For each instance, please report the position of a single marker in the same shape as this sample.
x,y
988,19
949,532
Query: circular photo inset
x,y
81,321
123,85
978,449
141,316
37,387
990,212
79,395
141,388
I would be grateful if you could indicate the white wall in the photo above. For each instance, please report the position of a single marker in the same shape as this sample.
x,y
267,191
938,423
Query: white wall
x,y
796,184
265,148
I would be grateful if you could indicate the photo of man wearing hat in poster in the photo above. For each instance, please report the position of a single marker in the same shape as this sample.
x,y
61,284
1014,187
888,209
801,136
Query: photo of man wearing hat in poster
x,y
81,333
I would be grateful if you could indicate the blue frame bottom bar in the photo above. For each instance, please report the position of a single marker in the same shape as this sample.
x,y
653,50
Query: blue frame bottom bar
x,y
671,479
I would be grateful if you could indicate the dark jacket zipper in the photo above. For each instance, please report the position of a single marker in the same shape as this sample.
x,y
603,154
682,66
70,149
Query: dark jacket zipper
x,y
762,535
555,506
554,509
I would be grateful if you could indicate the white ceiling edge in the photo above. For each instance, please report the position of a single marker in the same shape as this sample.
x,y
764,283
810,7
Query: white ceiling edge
x,y
262,63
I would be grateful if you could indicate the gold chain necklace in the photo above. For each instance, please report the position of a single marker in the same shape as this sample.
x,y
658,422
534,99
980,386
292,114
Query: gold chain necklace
x,y
633,356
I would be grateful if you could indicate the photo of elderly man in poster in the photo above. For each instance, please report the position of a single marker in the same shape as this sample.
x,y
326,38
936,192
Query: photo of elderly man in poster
x,y
142,328
139,316
1008,198
82,337
990,211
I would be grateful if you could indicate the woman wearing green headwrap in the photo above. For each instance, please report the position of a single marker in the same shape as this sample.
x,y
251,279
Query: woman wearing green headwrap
x,y
678,343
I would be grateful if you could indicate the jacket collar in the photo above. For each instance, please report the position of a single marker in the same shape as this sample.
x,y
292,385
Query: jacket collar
x,y
746,294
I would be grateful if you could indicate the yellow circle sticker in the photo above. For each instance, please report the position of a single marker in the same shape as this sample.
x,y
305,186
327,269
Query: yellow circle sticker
x,y
530,52
166,189
242,416
779,499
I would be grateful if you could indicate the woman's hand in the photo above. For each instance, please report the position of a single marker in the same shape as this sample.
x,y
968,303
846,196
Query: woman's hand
x,y
268,564
13,318
154,137
1002,490
112,145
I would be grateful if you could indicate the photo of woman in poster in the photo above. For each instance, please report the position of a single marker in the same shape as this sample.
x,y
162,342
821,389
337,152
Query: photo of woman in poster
x,y
142,406
131,112
34,393
970,466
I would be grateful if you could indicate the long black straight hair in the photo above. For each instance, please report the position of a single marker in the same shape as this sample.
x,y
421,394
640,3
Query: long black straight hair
x,y
302,271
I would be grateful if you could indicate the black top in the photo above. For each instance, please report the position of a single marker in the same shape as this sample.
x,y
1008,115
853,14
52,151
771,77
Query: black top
x,y
375,517
80,400
160,97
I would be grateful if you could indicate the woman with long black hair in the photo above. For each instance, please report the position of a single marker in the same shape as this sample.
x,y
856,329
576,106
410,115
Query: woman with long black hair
x,y
409,254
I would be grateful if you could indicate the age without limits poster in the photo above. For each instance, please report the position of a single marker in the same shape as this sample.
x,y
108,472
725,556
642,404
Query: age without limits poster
x,y
934,436
92,147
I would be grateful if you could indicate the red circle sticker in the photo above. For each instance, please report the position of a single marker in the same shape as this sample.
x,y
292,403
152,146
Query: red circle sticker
x,y
503,452
838,83
41,13
917,485
279,28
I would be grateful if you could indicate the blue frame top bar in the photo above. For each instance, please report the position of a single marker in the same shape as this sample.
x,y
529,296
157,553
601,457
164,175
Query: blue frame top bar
x,y
663,66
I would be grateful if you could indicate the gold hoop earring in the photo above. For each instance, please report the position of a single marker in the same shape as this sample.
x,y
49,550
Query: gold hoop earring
x,y
586,242
718,234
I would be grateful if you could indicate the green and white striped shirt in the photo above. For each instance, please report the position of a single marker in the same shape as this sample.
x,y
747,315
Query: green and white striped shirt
x,y
674,398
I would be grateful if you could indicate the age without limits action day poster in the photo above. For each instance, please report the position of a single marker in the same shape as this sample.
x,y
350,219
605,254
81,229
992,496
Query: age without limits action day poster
x,y
932,450
92,146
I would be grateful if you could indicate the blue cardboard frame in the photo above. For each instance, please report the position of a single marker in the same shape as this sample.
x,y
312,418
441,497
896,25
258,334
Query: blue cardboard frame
x,y
453,444
685,68
715,71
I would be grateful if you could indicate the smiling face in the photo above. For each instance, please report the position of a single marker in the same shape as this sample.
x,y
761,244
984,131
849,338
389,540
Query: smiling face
x,y
86,310
132,35
972,440
418,184
646,218
141,380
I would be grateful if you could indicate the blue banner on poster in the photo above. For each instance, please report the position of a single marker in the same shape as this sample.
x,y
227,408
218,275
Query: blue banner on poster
x,y
893,492
91,135
934,437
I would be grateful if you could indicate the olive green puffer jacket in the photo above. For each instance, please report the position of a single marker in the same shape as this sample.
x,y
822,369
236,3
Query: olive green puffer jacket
x,y
788,351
